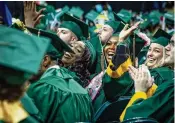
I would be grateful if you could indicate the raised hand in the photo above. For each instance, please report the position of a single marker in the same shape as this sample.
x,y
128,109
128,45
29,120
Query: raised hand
x,y
32,17
126,32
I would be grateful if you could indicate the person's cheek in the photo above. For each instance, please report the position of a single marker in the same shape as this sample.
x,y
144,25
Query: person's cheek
x,y
106,48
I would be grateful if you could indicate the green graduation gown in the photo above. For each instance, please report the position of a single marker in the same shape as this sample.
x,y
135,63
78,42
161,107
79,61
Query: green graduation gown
x,y
116,87
59,98
160,106
123,86
162,74
31,109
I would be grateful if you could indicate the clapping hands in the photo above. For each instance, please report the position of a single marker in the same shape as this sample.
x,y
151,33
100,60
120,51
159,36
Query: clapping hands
x,y
142,78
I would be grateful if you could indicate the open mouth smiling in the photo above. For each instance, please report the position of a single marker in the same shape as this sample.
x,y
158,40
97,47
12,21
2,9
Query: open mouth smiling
x,y
67,55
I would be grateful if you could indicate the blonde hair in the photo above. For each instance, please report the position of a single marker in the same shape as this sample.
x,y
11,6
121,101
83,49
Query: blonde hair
x,y
160,63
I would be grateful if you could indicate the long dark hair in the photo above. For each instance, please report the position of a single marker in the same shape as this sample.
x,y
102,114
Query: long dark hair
x,y
80,67
10,92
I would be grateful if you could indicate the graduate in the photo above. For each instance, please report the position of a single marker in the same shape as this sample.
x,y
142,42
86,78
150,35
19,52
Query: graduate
x,y
160,105
55,92
20,58
155,62
72,29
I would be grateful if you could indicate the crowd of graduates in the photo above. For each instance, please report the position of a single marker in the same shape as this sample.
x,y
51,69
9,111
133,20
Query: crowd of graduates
x,y
66,66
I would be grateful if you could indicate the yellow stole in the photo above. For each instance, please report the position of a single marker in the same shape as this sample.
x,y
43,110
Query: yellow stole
x,y
12,112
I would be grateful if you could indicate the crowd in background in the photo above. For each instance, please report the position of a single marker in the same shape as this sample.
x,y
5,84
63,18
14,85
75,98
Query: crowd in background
x,y
65,65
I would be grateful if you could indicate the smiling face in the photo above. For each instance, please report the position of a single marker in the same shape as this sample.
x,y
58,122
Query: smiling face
x,y
154,55
169,60
105,33
70,58
110,48
66,35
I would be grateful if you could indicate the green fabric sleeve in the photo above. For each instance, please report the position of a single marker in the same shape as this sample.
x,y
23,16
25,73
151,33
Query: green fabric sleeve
x,y
61,100
161,75
114,88
30,108
99,100
2,121
160,106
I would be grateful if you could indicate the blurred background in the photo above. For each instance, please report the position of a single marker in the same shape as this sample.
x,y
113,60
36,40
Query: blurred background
x,y
16,7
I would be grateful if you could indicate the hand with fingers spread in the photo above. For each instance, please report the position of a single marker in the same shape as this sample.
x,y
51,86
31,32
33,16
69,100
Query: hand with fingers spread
x,y
32,17
126,32
142,79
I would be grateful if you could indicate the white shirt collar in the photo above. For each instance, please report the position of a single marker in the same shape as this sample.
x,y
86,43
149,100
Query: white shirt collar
x,y
55,66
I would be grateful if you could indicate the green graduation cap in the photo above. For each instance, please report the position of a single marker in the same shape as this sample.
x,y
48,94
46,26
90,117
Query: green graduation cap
x,y
92,52
161,40
65,8
154,21
92,32
20,54
99,62
60,13
77,12
142,55
156,14
122,22
92,15
57,44
120,27
111,15
161,37
123,15
78,27
116,25
145,23
48,8
154,17
161,33
169,19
